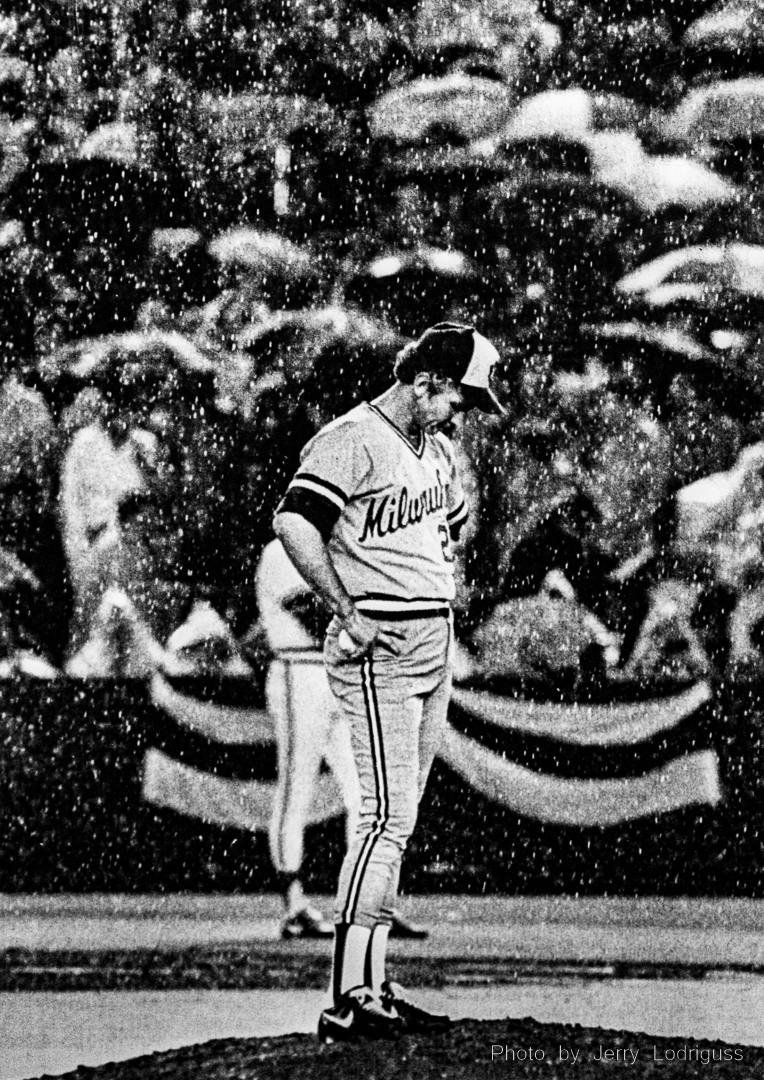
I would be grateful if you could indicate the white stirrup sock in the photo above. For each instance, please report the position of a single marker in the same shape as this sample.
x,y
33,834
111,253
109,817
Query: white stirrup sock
x,y
351,945
375,958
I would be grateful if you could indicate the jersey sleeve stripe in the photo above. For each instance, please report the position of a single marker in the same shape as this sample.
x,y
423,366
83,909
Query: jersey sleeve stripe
x,y
456,520
459,514
321,487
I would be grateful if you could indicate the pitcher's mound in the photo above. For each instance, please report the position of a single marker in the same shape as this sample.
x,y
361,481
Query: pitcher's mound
x,y
471,1050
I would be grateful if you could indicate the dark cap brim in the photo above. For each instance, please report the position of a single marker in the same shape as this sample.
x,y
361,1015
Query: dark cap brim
x,y
478,397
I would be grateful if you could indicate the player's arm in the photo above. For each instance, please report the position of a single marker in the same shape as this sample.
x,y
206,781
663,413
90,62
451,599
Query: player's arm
x,y
307,549
333,465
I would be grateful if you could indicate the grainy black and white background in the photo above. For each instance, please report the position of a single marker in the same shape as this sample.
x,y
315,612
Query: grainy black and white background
x,y
218,225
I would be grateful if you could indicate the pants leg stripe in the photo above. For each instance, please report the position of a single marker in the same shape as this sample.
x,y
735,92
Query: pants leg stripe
x,y
289,756
380,780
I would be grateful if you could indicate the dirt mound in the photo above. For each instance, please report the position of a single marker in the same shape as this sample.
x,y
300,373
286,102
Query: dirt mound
x,y
471,1050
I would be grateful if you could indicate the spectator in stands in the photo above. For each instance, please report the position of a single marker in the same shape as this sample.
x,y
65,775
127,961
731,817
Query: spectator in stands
x,y
118,487
564,540
28,464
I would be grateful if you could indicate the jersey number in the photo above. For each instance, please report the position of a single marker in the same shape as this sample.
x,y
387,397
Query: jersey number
x,y
445,542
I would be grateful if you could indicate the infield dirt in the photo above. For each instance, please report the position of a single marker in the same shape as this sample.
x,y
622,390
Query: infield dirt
x,y
471,1050
115,944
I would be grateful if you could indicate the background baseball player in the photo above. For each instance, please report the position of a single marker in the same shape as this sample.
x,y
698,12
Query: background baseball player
x,y
309,728
368,520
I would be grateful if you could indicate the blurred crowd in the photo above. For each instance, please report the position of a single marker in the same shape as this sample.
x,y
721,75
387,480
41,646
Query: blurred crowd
x,y
218,226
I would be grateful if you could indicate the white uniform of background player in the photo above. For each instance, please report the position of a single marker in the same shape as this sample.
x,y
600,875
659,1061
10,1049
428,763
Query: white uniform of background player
x,y
309,729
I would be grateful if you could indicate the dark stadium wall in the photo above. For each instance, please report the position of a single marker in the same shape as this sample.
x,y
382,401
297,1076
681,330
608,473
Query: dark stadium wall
x,y
73,816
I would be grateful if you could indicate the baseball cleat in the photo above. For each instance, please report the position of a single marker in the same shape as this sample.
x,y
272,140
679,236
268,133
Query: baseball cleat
x,y
358,1015
400,928
414,1020
306,923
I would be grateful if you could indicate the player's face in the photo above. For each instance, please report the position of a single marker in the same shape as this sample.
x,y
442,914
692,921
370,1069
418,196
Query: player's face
x,y
440,402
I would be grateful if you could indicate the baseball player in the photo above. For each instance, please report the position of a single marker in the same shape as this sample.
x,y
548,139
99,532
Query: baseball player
x,y
368,520
309,728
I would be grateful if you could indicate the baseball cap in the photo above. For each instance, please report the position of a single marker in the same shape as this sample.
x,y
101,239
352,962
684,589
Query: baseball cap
x,y
462,354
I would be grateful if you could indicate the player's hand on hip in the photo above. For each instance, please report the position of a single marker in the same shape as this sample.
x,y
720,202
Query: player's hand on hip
x,y
359,635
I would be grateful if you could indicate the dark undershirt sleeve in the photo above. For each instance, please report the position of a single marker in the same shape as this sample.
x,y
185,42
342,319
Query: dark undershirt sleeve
x,y
457,519
455,531
313,507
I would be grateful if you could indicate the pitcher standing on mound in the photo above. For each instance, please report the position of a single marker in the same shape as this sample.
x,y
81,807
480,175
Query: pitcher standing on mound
x,y
368,521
